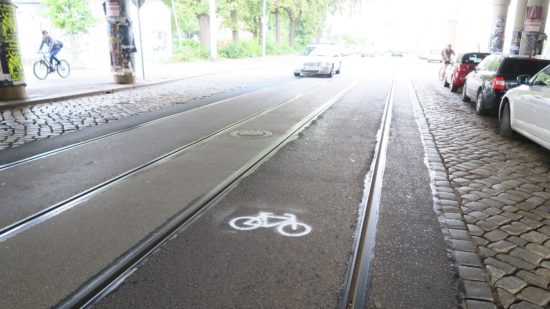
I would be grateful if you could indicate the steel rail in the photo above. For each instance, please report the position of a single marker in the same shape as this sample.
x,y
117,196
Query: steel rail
x,y
114,274
356,286
97,138
47,213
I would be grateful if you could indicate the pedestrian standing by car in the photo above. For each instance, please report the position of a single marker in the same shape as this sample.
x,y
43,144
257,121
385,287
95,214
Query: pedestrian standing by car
x,y
54,47
447,53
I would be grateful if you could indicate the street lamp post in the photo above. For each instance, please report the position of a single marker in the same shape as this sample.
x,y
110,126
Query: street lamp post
x,y
264,23
213,30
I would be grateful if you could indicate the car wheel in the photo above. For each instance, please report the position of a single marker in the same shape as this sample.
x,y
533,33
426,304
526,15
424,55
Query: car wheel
x,y
479,104
505,127
296,74
453,87
465,97
331,73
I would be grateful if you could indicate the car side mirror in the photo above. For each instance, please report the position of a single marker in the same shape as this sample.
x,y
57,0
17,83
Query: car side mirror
x,y
523,79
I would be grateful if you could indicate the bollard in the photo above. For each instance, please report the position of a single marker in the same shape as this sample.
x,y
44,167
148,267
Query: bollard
x,y
121,41
12,77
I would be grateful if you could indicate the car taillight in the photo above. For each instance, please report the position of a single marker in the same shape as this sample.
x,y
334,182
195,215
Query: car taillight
x,y
499,83
463,67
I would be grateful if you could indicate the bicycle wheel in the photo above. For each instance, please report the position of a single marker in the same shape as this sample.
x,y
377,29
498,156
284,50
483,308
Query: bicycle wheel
x,y
63,69
40,69
441,73
299,229
245,223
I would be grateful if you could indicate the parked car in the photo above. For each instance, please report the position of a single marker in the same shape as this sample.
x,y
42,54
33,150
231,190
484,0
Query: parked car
x,y
323,60
495,75
396,53
526,109
461,65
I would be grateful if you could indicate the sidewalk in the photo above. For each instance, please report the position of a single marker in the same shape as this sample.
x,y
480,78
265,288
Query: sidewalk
x,y
98,81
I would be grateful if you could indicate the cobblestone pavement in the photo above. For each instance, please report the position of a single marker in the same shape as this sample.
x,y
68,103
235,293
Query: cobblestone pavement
x,y
494,197
25,124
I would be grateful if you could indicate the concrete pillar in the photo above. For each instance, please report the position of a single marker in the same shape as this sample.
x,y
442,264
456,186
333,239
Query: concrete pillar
x,y
533,35
121,40
500,12
519,20
12,77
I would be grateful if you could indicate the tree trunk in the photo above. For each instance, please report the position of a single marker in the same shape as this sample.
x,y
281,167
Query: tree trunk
x,y
204,29
292,28
255,31
235,29
277,26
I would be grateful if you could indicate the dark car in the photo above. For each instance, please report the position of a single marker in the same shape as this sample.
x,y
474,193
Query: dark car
x,y
462,64
494,76
396,53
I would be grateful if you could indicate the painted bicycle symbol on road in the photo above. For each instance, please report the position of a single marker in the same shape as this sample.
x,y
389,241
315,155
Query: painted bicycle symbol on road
x,y
286,224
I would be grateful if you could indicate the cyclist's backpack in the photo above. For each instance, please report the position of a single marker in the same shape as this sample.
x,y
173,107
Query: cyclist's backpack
x,y
59,43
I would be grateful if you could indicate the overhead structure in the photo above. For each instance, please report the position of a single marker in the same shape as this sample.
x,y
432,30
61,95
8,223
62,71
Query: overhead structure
x,y
121,40
498,24
12,77
533,36
519,20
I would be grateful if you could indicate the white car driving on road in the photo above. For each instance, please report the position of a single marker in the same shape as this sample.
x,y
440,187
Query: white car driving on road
x,y
526,109
322,59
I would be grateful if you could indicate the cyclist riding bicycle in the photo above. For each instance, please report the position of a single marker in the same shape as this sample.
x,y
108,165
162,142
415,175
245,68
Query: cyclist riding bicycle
x,y
54,47
447,53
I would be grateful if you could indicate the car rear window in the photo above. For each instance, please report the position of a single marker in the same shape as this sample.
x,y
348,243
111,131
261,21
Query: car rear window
x,y
516,66
473,58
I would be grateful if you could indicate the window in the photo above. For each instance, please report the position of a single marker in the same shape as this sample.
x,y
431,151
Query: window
x,y
543,78
484,65
473,58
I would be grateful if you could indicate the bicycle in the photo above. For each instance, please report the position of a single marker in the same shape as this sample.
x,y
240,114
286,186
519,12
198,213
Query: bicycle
x,y
286,224
443,68
43,67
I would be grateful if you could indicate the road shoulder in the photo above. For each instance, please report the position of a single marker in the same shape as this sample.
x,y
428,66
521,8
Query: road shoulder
x,y
411,267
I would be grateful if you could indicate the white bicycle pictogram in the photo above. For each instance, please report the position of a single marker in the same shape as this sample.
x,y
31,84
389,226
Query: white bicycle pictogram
x,y
286,224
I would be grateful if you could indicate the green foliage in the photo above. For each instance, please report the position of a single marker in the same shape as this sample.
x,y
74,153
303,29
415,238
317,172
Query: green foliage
x,y
273,49
242,50
308,15
188,51
72,16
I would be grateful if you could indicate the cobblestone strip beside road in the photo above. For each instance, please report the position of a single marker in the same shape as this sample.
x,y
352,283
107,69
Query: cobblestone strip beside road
x,y
494,198
25,124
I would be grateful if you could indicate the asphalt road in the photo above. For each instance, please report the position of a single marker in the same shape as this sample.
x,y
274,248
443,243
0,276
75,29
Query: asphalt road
x,y
55,257
316,179
319,178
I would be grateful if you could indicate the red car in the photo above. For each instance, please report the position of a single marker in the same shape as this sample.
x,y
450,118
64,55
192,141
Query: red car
x,y
463,64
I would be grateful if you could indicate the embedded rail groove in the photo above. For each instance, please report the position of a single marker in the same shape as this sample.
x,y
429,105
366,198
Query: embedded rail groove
x,y
355,289
112,276
47,213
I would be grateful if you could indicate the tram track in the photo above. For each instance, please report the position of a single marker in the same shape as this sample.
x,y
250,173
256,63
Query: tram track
x,y
51,211
114,274
48,153
355,292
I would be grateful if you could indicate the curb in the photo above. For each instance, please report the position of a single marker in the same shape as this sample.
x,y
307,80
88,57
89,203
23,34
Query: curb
x,y
472,279
113,89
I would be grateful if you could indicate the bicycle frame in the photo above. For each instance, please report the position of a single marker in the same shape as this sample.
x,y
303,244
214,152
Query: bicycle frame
x,y
265,217
46,57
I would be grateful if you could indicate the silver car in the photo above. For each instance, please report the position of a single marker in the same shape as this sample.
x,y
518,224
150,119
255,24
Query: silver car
x,y
526,109
322,60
